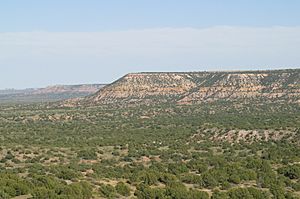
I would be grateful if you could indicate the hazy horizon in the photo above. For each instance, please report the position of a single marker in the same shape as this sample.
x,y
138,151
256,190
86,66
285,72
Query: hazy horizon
x,y
91,83
78,42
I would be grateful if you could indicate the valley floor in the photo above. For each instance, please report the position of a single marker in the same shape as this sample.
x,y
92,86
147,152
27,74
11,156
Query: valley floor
x,y
216,150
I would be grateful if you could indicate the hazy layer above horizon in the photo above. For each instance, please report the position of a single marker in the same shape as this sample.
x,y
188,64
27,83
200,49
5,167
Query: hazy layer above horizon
x,y
99,41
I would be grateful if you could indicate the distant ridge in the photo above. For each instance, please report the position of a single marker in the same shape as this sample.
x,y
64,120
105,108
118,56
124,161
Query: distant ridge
x,y
81,88
48,94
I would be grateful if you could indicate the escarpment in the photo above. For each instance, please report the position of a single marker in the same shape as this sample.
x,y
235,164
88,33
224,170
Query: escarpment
x,y
201,87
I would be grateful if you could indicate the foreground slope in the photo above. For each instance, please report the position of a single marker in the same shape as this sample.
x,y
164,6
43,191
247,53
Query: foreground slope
x,y
199,87
208,151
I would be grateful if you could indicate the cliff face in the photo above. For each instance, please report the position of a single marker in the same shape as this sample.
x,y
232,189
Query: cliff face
x,y
199,87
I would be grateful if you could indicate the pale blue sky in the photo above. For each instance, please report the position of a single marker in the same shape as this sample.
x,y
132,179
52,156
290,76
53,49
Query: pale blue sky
x,y
103,15
95,41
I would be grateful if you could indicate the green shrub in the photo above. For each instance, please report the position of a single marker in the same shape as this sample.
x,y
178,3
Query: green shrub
x,y
122,189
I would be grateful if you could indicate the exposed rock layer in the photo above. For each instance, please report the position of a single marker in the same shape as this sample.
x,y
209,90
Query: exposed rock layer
x,y
199,87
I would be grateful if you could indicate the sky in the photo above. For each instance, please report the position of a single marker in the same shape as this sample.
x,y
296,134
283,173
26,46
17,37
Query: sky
x,y
53,42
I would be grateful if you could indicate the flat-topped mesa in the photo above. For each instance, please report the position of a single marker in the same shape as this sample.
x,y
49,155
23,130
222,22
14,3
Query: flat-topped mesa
x,y
199,87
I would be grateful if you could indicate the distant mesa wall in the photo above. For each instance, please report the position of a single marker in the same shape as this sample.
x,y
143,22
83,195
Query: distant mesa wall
x,y
199,87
